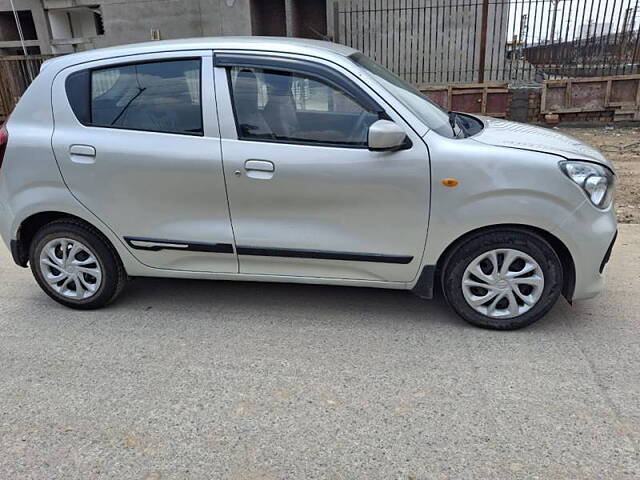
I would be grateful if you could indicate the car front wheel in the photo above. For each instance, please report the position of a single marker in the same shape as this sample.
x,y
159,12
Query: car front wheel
x,y
504,279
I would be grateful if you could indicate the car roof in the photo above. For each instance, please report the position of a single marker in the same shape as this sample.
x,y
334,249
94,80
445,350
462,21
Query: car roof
x,y
266,44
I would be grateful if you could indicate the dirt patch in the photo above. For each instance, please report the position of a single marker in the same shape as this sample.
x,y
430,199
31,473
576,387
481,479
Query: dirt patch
x,y
622,147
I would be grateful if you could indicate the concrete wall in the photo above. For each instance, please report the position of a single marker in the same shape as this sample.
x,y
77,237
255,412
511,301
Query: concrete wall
x,y
71,25
127,21
131,21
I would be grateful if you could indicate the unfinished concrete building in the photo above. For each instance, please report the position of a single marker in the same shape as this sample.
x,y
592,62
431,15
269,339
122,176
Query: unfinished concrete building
x,y
65,26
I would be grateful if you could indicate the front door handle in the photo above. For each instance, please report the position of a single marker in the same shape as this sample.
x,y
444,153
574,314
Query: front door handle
x,y
259,165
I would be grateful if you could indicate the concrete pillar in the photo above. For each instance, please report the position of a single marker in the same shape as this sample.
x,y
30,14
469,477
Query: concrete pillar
x,y
288,8
235,17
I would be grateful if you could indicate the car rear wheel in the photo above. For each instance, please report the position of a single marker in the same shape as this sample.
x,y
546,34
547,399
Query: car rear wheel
x,y
75,265
503,280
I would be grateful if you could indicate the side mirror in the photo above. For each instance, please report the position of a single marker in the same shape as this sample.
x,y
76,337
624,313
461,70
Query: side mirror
x,y
386,136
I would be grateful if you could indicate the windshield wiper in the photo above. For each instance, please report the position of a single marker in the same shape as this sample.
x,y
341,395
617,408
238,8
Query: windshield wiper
x,y
452,122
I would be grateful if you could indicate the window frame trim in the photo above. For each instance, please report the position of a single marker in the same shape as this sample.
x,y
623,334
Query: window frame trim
x,y
90,71
325,74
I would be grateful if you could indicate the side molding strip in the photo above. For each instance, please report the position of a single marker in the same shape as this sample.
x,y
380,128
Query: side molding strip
x,y
155,245
324,255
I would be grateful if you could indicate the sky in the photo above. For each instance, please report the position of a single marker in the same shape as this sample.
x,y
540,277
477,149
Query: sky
x,y
571,17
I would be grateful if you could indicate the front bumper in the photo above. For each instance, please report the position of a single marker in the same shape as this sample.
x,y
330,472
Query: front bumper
x,y
589,234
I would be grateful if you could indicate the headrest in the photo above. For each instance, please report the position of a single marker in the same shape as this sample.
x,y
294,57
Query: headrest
x,y
245,88
279,83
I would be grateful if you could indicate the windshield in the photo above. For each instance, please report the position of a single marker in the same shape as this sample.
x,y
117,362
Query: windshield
x,y
421,106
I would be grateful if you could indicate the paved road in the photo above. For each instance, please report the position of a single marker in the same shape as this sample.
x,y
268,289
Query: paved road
x,y
188,379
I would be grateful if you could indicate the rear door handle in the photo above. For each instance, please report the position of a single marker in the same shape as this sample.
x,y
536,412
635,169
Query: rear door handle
x,y
82,154
259,165
82,150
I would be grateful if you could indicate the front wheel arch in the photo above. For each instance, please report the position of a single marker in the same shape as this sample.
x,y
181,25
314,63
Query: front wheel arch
x,y
568,266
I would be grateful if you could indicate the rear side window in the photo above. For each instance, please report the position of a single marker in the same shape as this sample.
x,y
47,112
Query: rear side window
x,y
157,97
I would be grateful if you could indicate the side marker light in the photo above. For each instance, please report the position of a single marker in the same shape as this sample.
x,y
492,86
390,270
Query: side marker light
x,y
450,182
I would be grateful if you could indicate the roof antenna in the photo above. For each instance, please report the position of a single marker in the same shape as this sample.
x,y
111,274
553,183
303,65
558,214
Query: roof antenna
x,y
24,48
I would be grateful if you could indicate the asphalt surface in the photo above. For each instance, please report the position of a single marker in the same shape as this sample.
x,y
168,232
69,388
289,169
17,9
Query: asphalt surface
x,y
194,379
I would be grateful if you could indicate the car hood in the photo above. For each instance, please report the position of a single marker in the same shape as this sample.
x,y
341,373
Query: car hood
x,y
504,133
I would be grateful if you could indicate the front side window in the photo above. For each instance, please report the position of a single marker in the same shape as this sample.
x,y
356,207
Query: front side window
x,y
158,97
276,105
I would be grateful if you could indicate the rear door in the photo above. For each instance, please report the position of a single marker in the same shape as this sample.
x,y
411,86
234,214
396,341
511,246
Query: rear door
x,y
138,144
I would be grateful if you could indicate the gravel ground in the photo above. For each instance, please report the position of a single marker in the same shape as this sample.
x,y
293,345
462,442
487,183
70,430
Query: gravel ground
x,y
622,147
193,379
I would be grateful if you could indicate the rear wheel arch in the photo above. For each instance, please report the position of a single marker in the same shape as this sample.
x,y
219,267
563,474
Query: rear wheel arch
x,y
30,225
568,266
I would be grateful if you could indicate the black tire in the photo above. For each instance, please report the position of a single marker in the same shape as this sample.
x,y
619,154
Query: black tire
x,y
114,276
523,240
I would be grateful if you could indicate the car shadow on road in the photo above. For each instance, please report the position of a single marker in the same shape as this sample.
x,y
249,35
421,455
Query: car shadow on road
x,y
283,299
330,303
168,300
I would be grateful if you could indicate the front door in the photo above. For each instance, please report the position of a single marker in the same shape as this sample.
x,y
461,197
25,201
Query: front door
x,y
138,144
307,197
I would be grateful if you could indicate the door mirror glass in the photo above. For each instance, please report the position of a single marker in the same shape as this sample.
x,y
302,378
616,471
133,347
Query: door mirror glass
x,y
385,136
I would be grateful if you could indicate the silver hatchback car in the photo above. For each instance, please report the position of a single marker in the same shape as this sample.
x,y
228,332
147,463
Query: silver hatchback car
x,y
286,160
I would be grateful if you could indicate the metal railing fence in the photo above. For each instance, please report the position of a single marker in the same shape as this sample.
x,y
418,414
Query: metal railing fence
x,y
456,41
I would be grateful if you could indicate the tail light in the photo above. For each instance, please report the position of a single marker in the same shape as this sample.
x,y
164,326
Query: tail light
x,y
4,139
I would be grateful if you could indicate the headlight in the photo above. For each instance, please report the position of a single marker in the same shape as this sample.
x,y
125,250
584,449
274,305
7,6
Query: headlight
x,y
596,181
